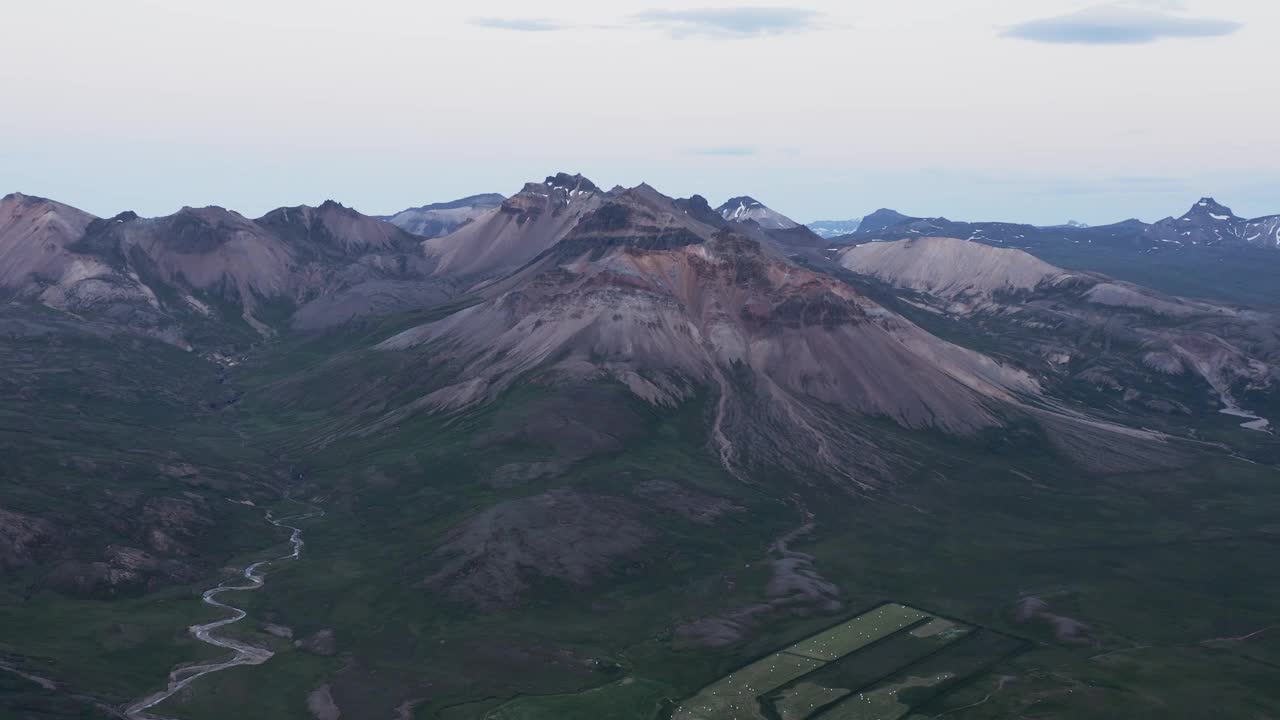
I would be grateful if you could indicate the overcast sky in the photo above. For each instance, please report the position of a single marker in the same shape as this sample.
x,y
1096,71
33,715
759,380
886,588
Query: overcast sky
x,y
1028,110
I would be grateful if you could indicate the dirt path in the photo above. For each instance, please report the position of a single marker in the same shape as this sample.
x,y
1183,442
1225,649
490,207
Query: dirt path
x,y
43,682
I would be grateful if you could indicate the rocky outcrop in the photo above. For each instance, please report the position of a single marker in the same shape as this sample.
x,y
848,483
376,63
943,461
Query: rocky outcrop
x,y
21,539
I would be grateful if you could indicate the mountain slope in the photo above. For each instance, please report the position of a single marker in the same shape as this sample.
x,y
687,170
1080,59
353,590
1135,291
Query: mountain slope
x,y
34,235
439,219
211,272
948,267
513,233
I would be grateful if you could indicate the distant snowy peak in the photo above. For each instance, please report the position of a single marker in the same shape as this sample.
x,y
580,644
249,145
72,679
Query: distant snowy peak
x,y
1068,225
557,191
571,184
1208,222
1210,208
743,209
828,229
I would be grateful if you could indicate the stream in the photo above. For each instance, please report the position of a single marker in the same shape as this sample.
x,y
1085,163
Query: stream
x,y
1252,422
244,653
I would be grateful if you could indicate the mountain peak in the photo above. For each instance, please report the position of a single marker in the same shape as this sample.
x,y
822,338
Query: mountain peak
x,y
744,208
882,219
1213,208
333,205
742,201
699,209
21,199
571,182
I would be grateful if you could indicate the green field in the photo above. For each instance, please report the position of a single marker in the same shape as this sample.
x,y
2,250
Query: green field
x,y
858,632
819,677
736,696
804,698
881,703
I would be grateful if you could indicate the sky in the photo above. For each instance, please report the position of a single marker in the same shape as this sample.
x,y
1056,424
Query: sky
x,y
1022,110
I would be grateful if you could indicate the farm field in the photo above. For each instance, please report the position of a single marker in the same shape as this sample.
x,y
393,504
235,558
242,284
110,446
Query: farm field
x,y
880,665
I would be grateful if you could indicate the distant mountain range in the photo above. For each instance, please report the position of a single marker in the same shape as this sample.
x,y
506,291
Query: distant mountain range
x,y
317,266
1207,224
212,268
835,228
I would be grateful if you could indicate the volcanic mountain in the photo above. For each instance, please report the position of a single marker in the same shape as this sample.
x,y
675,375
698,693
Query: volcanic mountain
x,y
440,219
641,294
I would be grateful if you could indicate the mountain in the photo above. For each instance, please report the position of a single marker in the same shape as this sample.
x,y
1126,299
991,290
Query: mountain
x,y
440,219
828,229
882,219
950,268
743,209
205,270
1207,252
1207,223
516,231
34,236
642,293
1210,223
1154,342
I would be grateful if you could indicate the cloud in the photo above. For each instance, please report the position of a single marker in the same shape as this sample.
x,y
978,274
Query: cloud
x,y
519,24
731,22
725,151
1120,24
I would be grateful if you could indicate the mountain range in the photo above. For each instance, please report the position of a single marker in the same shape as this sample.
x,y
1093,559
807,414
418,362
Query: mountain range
x,y
573,452
1208,223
